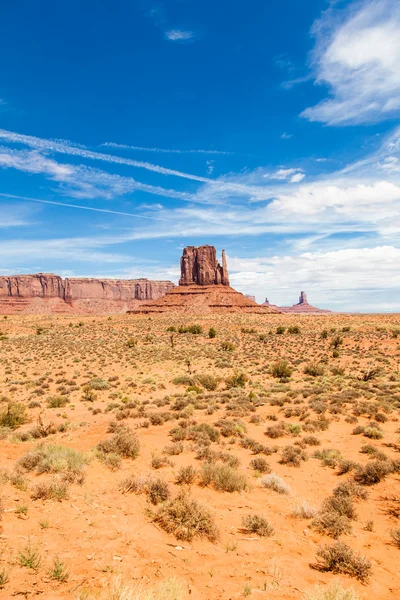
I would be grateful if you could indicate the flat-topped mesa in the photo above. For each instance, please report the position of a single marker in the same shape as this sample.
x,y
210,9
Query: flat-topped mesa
x,y
199,266
303,298
47,293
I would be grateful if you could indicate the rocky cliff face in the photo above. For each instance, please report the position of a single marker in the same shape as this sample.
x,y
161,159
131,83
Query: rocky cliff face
x,y
199,266
21,293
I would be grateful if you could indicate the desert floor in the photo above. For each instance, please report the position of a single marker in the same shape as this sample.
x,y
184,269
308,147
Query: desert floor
x,y
73,524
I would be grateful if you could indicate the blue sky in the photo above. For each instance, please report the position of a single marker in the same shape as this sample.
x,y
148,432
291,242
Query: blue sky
x,y
129,130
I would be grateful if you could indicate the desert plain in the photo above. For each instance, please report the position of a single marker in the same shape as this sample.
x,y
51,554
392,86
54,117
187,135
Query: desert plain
x,y
212,457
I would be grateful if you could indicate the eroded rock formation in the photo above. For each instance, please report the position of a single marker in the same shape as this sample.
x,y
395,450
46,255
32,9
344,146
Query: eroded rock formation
x,y
45,292
302,307
199,266
203,288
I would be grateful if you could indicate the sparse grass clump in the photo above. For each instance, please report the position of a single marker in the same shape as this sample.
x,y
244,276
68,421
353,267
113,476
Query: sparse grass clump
x,y
55,459
223,477
30,557
341,559
55,489
273,482
333,591
58,571
186,519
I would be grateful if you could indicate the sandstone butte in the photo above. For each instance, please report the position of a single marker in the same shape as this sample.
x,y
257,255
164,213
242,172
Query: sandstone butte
x,y
203,288
302,307
45,293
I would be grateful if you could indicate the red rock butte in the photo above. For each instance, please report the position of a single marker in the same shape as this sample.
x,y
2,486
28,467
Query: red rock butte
x,y
45,293
203,288
302,307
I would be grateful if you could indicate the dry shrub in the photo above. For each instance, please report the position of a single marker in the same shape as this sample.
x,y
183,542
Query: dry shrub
x,y
292,456
257,524
373,472
124,442
260,464
186,518
395,534
332,524
186,475
351,489
341,559
341,504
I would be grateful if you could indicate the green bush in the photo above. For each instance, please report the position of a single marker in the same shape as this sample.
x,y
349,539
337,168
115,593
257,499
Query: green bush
x,y
194,329
212,332
314,370
14,416
236,380
281,370
208,381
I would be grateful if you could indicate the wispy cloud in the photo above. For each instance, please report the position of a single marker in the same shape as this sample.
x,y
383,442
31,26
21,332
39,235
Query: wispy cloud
x,y
164,150
179,35
357,56
81,181
53,146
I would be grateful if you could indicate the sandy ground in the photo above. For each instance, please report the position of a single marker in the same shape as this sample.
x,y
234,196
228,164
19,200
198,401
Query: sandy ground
x,y
99,532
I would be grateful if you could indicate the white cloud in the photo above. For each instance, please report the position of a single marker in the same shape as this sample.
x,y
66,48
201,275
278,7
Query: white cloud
x,y
179,35
357,56
297,177
351,279
292,175
286,136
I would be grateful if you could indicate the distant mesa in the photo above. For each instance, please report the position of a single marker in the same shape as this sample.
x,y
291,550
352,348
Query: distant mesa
x,y
46,293
203,288
302,307
253,298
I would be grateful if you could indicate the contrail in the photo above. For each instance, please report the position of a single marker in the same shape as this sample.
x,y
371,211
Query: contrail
x,y
165,150
63,148
102,210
